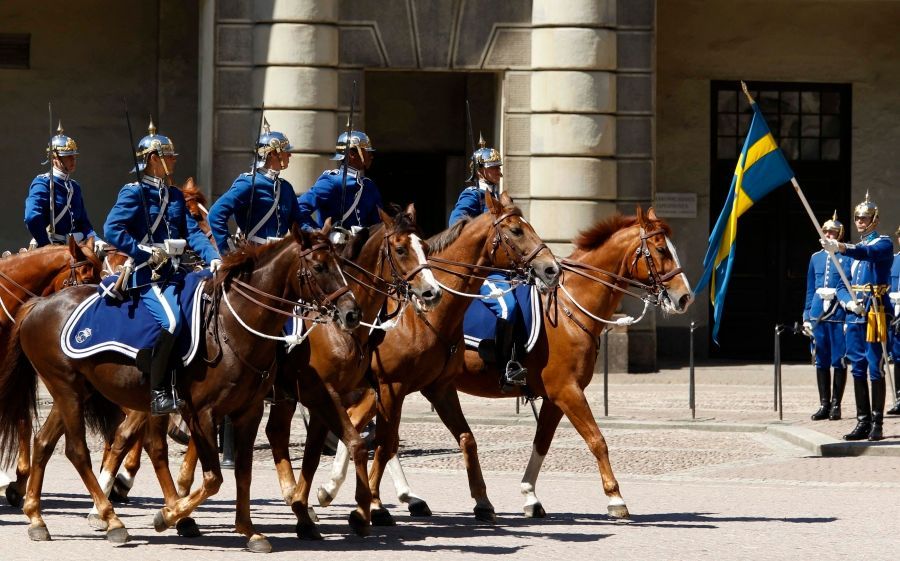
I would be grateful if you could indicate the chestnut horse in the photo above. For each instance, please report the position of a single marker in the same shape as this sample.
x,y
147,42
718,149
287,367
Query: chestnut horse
x,y
498,238
614,254
259,286
39,272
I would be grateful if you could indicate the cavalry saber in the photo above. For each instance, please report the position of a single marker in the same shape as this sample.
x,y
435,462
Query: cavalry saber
x,y
346,162
50,153
262,113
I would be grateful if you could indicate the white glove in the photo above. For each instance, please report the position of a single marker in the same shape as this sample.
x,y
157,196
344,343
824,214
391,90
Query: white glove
x,y
807,329
158,256
855,307
215,265
99,245
829,245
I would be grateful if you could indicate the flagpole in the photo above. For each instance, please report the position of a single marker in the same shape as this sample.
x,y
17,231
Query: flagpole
x,y
812,217
809,211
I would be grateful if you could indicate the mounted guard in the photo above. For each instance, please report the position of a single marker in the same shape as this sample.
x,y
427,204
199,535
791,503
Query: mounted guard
x,y
55,209
485,174
264,206
868,314
344,194
150,223
823,321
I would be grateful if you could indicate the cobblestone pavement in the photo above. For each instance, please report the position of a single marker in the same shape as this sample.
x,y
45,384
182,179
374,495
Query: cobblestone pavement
x,y
693,494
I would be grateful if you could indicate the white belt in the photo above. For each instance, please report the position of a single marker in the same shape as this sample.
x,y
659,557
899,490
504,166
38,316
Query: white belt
x,y
259,240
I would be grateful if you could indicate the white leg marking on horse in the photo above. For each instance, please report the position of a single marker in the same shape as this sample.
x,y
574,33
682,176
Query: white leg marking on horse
x,y
616,501
126,478
105,481
4,479
338,470
529,479
404,493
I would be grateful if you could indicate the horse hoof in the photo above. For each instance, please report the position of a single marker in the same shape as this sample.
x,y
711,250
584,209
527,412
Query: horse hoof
x,y
13,497
485,514
38,534
358,524
159,522
418,507
619,512
307,532
323,496
381,517
118,536
187,528
535,510
259,544
312,514
97,523
119,493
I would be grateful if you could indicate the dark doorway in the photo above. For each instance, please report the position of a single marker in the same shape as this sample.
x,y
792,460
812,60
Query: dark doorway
x,y
811,123
417,123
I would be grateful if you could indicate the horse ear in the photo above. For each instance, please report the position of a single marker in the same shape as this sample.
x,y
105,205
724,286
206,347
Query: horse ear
x,y
411,211
301,236
651,215
386,218
639,212
326,227
506,200
188,184
492,203
74,250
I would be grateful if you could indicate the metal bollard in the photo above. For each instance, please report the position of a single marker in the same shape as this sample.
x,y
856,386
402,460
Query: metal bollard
x,y
779,390
691,386
606,372
227,443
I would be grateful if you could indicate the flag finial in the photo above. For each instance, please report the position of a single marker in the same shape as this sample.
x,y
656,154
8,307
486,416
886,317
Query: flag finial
x,y
747,92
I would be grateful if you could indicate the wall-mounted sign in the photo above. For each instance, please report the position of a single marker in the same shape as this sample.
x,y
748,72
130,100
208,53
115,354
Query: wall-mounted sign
x,y
676,205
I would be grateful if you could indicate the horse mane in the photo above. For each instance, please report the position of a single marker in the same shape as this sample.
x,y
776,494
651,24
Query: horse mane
x,y
599,233
442,240
245,257
193,198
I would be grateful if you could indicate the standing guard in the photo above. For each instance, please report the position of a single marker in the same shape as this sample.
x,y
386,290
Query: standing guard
x,y
823,320
486,170
359,203
868,312
894,331
54,210
150,223
263,205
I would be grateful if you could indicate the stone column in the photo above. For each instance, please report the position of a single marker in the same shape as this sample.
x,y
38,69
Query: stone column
x,y
573,123
282,55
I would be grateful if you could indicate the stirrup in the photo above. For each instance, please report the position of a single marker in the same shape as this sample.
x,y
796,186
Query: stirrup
x,y
515,374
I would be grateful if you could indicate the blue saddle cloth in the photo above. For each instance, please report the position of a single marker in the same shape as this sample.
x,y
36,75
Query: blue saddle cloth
x,y
101,324
481,323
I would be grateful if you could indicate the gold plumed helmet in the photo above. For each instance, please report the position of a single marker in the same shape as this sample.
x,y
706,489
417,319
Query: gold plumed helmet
x,y
486,157
866,208
833,225
153,144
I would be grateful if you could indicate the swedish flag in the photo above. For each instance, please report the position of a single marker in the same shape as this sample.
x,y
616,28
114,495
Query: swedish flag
x,y
760,169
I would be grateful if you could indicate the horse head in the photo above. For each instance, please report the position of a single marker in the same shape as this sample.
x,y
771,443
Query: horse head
x,y
84,267
656,263
404,251
319,276
521,247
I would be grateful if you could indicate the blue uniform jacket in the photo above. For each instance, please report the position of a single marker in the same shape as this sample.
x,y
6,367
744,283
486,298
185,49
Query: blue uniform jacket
x,y
37,209
895,273
126,226
471,202
325,197
872,260
823,274
235,201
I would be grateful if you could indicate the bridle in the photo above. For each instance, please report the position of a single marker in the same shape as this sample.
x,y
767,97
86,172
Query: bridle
x,y
72,280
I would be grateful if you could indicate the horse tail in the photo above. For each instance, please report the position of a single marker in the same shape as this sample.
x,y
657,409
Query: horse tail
x,y
18,390
102,416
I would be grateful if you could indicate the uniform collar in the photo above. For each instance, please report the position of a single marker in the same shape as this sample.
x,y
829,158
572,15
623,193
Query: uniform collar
x,y
153,181
354,173
269,173
870,236
486,185
60,174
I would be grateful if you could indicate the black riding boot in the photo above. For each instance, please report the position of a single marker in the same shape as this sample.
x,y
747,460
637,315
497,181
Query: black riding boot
x,y
837,393
895,409
514,374
162,396
863,411
823,381
878,393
